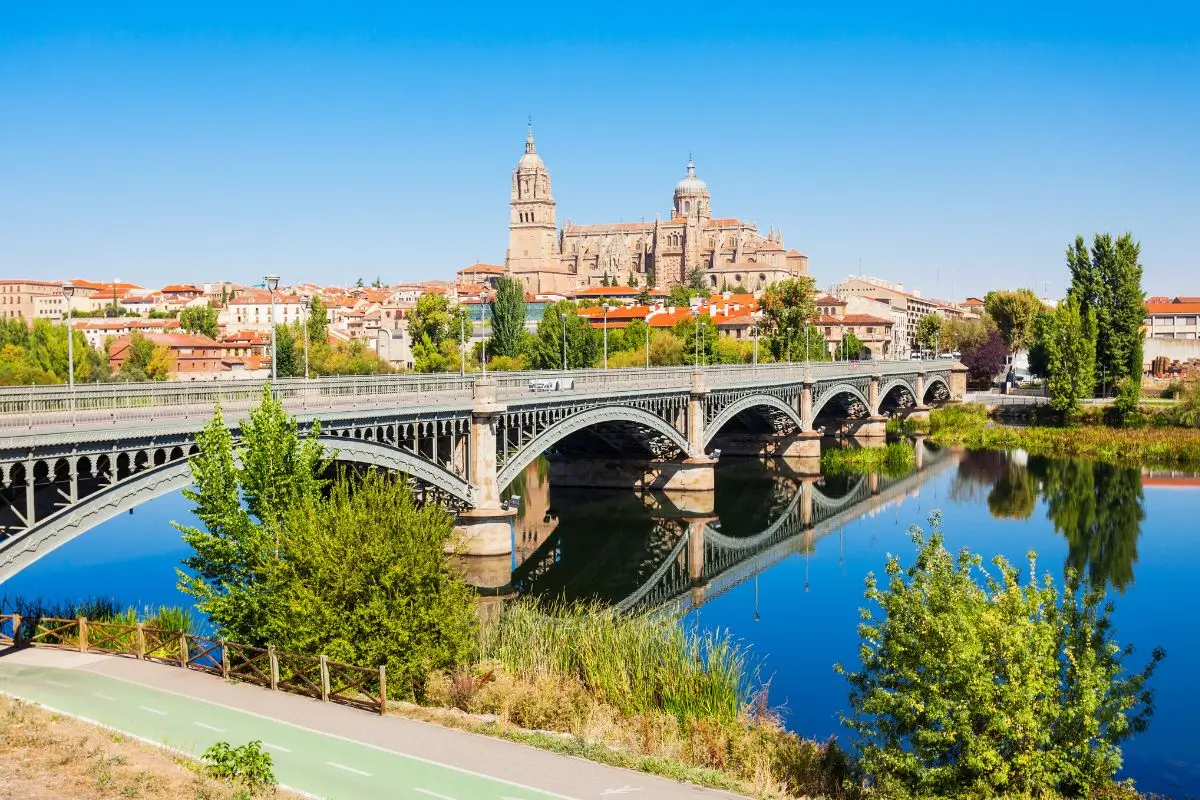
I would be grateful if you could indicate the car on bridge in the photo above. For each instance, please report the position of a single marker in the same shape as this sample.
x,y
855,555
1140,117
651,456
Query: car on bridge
x,y
551,384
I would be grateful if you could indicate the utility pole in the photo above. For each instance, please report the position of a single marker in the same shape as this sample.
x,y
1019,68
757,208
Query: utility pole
x,y
272,282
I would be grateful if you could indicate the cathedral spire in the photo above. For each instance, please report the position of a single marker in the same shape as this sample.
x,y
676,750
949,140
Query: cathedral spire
x,y
529,148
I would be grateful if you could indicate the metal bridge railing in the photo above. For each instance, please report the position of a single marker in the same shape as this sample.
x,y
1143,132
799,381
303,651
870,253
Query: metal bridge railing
x,y
92,405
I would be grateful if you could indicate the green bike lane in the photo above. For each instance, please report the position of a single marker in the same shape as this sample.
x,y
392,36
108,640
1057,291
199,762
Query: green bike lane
x,y
309,761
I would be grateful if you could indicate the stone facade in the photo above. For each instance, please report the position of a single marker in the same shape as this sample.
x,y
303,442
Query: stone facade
x,y
725,251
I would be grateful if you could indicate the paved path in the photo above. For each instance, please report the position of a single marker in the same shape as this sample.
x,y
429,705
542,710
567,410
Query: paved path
x,y
322,749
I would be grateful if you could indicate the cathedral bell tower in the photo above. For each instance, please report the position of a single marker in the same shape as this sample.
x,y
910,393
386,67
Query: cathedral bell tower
x,y
532,229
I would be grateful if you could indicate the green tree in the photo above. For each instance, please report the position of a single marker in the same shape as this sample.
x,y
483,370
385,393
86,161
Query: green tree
x,y
1108,283
583,341
364,579
851,347
317,320
787,309
1070,356
992,687
146,361
1014,495
1038,357
697,338
507,312
241,494
200,319
695,280
929,332
289,357
436,328
1014,313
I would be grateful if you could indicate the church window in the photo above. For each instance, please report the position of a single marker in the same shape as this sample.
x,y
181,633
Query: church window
x,y
713,278
687,205
762,276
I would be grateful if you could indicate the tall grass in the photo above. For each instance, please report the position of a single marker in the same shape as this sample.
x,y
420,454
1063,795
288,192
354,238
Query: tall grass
x,y
894,460
99,609
640,664
969,425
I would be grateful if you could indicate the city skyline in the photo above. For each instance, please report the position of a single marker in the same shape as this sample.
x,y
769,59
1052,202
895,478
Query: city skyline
x,y
954,153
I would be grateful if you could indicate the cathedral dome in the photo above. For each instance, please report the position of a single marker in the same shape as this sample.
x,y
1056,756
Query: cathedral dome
x,y
530,160
691,185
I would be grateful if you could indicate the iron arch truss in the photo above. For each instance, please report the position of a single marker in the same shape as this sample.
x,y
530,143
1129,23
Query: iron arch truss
x,y
745,404
20,550
596,415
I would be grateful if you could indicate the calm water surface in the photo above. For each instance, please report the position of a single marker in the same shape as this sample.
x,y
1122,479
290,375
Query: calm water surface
x,y
784,560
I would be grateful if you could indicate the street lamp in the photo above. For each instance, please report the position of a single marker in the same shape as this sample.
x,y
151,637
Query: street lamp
x,y
68,290
272,282
562,316
483,344
462,344
606,307
755,344
304,306
647,341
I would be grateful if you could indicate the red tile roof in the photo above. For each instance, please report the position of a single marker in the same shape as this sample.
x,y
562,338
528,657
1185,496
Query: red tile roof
x,y
1173,307
485,269
829,301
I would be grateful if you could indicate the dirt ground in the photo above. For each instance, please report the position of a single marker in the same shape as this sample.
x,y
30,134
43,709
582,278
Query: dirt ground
x,y
46,756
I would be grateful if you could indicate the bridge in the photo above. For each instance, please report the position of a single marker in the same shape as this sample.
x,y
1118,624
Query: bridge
x,y
71,460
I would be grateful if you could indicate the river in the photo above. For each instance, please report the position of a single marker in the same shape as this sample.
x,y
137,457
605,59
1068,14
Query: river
x,y
779,561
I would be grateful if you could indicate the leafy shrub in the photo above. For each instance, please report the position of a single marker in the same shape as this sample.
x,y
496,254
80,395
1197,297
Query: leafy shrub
x,y
998,687
248,766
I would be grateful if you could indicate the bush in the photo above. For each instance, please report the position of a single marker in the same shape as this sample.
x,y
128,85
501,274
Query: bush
x,y
992,687
893,460
363,578
248,766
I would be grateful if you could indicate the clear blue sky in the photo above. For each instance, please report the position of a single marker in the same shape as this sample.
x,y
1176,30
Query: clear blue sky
x,y
153,142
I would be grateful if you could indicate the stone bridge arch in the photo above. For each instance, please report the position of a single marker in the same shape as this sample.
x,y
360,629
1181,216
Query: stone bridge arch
x,y
157,478
659,437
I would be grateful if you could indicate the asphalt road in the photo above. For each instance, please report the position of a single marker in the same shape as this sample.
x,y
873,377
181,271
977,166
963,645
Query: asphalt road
x,y
317,748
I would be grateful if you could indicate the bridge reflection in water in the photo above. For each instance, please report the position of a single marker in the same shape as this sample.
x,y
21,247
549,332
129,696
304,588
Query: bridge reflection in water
x,y
658,550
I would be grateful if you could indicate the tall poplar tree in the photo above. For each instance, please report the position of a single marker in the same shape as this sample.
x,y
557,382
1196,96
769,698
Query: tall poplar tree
x,y
1070,348
507,311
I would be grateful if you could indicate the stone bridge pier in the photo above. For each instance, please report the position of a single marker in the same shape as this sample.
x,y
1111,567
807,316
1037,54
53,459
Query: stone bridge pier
x,y
485,529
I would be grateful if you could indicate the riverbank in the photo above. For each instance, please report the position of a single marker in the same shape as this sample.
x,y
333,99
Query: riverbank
x,y
970,425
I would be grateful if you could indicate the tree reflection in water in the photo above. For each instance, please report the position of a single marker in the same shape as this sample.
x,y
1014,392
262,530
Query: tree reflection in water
x,y
1098,508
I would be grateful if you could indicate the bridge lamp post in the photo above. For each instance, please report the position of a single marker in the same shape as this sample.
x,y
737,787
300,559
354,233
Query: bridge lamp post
x,y
272,282
68,290
462,344
755,331
304,307
563,318
647,341
606,306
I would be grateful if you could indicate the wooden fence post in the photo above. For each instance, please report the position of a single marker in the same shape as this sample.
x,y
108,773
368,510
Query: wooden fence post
x,y
274,661
183,651
83,634
224,660
324,678
383,688
16,623
141,642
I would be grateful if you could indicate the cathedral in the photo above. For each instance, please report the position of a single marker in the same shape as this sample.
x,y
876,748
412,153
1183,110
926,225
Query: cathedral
x,y
726,252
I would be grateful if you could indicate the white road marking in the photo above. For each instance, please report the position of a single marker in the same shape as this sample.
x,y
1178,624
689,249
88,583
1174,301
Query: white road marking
x,y
103,696
432,794
56,683
358,742
348,769
626,789
278,747
153,710
209,727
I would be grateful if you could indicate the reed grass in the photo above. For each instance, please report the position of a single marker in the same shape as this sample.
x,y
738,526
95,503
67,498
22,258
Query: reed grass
x,y
970,426
639,664
894,460
99,609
